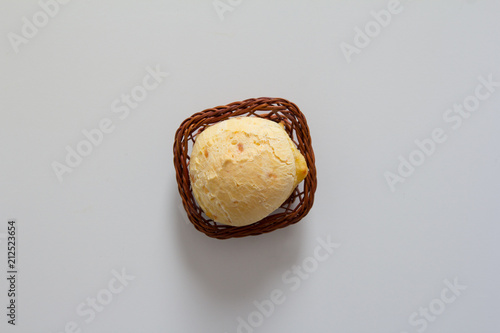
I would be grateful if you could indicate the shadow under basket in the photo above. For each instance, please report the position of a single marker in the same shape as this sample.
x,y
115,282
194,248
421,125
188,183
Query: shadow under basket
x,y
276,109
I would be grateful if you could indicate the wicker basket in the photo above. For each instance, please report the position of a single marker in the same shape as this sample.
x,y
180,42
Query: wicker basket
x,y
276,109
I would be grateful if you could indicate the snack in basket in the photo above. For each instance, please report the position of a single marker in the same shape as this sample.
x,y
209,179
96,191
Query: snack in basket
x,y
259,150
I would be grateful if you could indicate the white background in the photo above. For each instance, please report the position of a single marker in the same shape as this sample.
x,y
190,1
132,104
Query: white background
x,y
119,209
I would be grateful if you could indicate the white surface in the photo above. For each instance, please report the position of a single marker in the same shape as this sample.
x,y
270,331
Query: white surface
x,y
120,207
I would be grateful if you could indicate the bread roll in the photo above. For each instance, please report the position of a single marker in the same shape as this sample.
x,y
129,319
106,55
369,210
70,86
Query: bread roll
x,y
244,168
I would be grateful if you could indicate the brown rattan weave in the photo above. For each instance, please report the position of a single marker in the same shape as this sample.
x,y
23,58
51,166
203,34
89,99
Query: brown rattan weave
x,y
276,109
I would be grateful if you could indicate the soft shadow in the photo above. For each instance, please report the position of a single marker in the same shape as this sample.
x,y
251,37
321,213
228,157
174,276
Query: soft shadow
x,y
237,268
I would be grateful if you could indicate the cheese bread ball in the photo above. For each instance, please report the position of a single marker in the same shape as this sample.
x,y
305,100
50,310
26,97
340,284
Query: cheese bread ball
x,y
244,168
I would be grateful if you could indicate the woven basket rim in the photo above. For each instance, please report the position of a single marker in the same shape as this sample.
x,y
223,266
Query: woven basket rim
x,y
279,110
